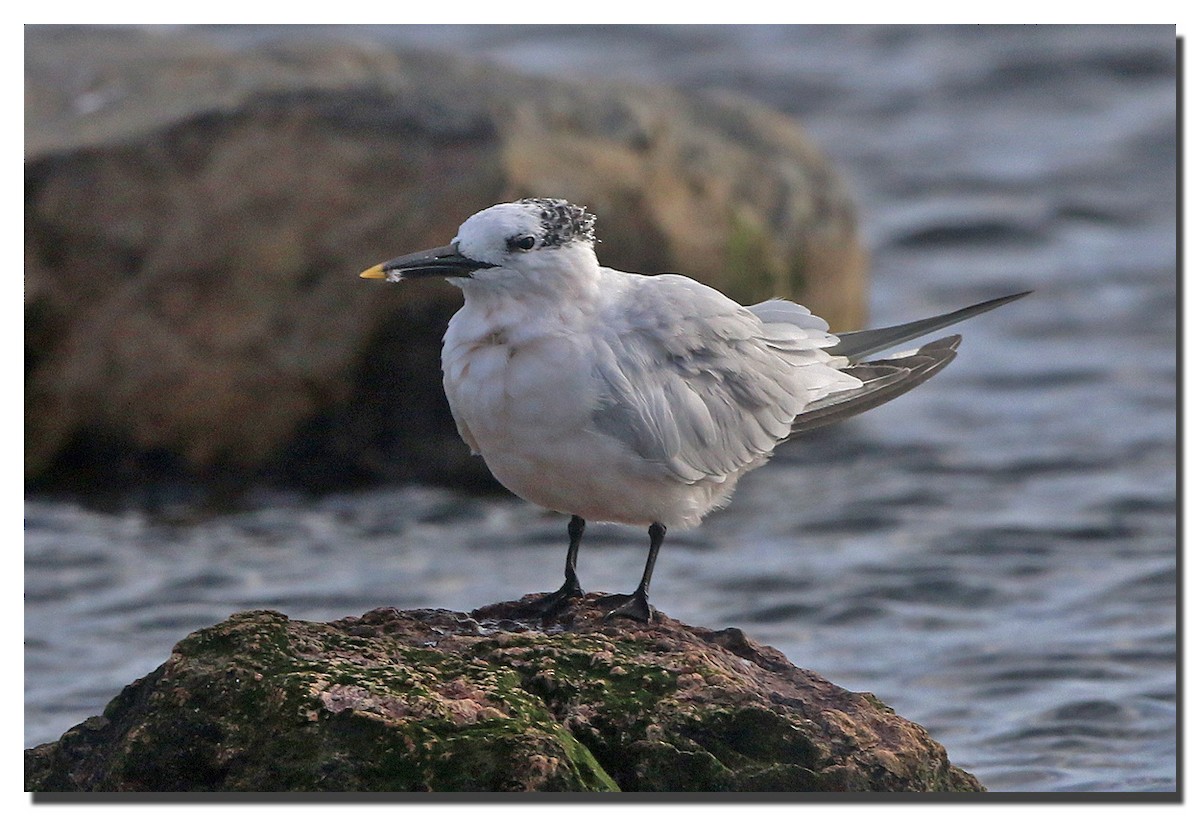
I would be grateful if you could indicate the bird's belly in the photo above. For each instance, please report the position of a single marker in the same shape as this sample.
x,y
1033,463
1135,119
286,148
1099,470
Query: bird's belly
x,y
584,478
528,411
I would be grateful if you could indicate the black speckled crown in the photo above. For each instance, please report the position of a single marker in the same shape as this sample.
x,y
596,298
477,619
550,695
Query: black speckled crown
x,y
563,222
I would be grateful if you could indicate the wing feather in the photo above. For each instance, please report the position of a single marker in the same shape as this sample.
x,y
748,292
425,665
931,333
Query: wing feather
x,y
695,382
883,381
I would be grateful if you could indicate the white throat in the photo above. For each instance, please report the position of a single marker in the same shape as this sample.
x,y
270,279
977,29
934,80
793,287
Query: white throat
x,y
568,274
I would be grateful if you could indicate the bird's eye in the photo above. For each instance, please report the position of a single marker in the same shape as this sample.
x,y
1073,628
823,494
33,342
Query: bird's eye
x,y
522,242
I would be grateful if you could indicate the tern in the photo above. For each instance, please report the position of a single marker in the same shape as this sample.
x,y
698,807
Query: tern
x,y
617,397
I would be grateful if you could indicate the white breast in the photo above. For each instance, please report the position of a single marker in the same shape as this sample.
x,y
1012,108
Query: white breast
x,y
523,398
517,392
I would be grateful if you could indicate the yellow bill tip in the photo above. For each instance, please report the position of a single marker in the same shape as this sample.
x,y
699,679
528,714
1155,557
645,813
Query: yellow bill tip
x,y
375,273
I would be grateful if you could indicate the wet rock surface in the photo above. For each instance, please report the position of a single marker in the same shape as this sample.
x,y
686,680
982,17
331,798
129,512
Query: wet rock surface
x,y
495,700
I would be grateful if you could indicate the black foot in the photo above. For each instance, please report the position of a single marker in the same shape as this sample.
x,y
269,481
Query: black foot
x,y
556,600
634,606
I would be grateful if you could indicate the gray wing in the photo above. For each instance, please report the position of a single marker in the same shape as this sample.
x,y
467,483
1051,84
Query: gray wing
x,y
858,344
883,381
690,379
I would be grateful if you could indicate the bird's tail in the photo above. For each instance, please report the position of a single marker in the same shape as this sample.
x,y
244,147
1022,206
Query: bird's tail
x,y
884,380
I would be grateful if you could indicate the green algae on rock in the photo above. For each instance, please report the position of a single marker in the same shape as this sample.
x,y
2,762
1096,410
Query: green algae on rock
x,y
494,700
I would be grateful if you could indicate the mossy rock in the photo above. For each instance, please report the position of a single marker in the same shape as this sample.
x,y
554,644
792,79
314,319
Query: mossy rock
x,y
497,700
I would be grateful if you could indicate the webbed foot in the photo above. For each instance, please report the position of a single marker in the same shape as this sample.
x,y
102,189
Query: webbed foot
x,y
634,606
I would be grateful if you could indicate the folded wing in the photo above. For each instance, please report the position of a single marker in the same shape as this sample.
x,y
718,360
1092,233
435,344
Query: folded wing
x,y
705,387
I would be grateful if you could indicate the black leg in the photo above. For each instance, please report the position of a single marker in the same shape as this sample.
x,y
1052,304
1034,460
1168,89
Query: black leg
x,y
637,604
570,588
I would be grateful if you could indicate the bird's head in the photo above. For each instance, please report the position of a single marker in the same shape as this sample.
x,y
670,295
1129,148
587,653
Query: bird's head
x,y
531,242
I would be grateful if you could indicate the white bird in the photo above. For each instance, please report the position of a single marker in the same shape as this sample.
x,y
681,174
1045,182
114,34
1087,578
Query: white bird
x,y
617,397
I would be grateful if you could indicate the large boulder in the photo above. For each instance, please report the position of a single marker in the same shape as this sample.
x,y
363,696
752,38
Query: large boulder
x,y
433,700
196,215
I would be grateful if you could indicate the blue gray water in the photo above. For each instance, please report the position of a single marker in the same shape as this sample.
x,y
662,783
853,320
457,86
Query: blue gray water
x,y
994,554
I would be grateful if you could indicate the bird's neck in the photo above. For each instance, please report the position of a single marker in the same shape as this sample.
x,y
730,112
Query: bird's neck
x,y
523,314
557,288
